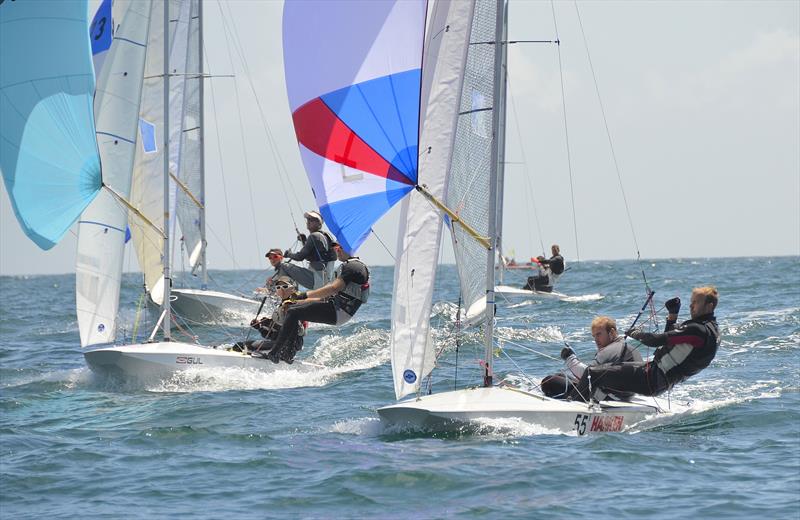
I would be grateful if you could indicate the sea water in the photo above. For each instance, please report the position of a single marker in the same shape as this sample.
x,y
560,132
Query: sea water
x,y
245,444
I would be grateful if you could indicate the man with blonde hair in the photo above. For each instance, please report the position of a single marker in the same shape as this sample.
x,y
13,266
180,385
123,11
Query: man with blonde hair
x,y
683,351
611,348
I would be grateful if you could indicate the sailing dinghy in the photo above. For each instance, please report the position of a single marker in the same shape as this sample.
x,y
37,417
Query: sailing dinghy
x,y
461,88
52,147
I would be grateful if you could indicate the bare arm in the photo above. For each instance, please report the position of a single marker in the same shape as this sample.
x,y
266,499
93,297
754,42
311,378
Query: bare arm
x,y
328,290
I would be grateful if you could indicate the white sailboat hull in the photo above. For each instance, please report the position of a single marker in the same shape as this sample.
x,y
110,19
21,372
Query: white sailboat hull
x,y
512,292
198,306
162,359
450,410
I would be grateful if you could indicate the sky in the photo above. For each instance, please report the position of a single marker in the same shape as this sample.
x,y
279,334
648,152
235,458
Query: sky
x,y
701,103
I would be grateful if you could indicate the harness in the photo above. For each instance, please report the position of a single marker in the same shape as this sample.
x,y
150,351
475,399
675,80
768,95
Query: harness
x,y
354,294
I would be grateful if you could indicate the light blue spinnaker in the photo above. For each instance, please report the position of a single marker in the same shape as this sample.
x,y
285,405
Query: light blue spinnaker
x,y
48,154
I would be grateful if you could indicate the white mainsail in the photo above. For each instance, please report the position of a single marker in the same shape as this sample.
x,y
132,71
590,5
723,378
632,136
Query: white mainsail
x,y
419,239
147,190
101,230
470,190
190,214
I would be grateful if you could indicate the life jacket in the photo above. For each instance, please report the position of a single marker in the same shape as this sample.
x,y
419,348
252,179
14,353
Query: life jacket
x,y
354,294
328,255
557,264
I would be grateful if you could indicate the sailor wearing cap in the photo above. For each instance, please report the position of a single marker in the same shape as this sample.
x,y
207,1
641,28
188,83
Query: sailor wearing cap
x,y
317,250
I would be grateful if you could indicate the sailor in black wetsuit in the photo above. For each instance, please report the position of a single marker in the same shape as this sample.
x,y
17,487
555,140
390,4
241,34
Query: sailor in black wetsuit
x,y
317,250
333,304
550,270
682,352
611,348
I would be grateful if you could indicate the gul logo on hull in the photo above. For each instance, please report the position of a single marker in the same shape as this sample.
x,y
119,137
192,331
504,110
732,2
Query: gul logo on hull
x,y
188,360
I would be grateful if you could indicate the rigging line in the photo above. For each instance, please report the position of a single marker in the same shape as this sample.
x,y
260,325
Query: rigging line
x,y
384,245
280,166
522,370
529,349
566,131
608,133
221,161
528,179
241,133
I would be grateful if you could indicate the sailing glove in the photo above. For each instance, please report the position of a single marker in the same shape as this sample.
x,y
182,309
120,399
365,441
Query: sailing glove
x,y
287,253
673,305
301,237
634,333
301,296
566,352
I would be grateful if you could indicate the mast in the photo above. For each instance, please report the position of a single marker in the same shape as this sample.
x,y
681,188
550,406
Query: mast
x,y
493,194
501,141
204,284
167,324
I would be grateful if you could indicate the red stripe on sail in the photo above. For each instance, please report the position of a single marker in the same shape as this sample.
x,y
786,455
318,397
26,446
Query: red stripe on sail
x,y
319,129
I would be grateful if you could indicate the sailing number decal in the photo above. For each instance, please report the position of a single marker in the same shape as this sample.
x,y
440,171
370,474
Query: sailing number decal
x,y
100,26
598,423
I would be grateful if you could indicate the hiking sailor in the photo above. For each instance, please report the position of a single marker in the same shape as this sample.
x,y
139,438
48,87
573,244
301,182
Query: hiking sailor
x,y
550,270
334,304
285,288
317,250
611,348
683,351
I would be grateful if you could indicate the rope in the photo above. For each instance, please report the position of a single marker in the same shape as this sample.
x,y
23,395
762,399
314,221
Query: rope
x,y
280,167
566,131
221,161
384,245
608,132
529,191
241,133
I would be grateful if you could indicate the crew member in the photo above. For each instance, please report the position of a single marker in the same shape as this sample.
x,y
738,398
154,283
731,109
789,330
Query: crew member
x,y
611,348
682,352
317,250
550,270
334,304
270,327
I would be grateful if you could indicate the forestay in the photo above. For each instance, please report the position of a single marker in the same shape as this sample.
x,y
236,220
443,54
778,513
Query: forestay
x,y
101,230
48,154
469,191
353,73
420,223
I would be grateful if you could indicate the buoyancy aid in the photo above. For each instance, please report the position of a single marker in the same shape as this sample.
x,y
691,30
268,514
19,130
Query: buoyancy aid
x,y
354,293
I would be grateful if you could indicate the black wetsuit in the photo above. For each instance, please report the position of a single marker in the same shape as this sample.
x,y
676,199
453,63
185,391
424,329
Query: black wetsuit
x,y
682,352
555,263
335,310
